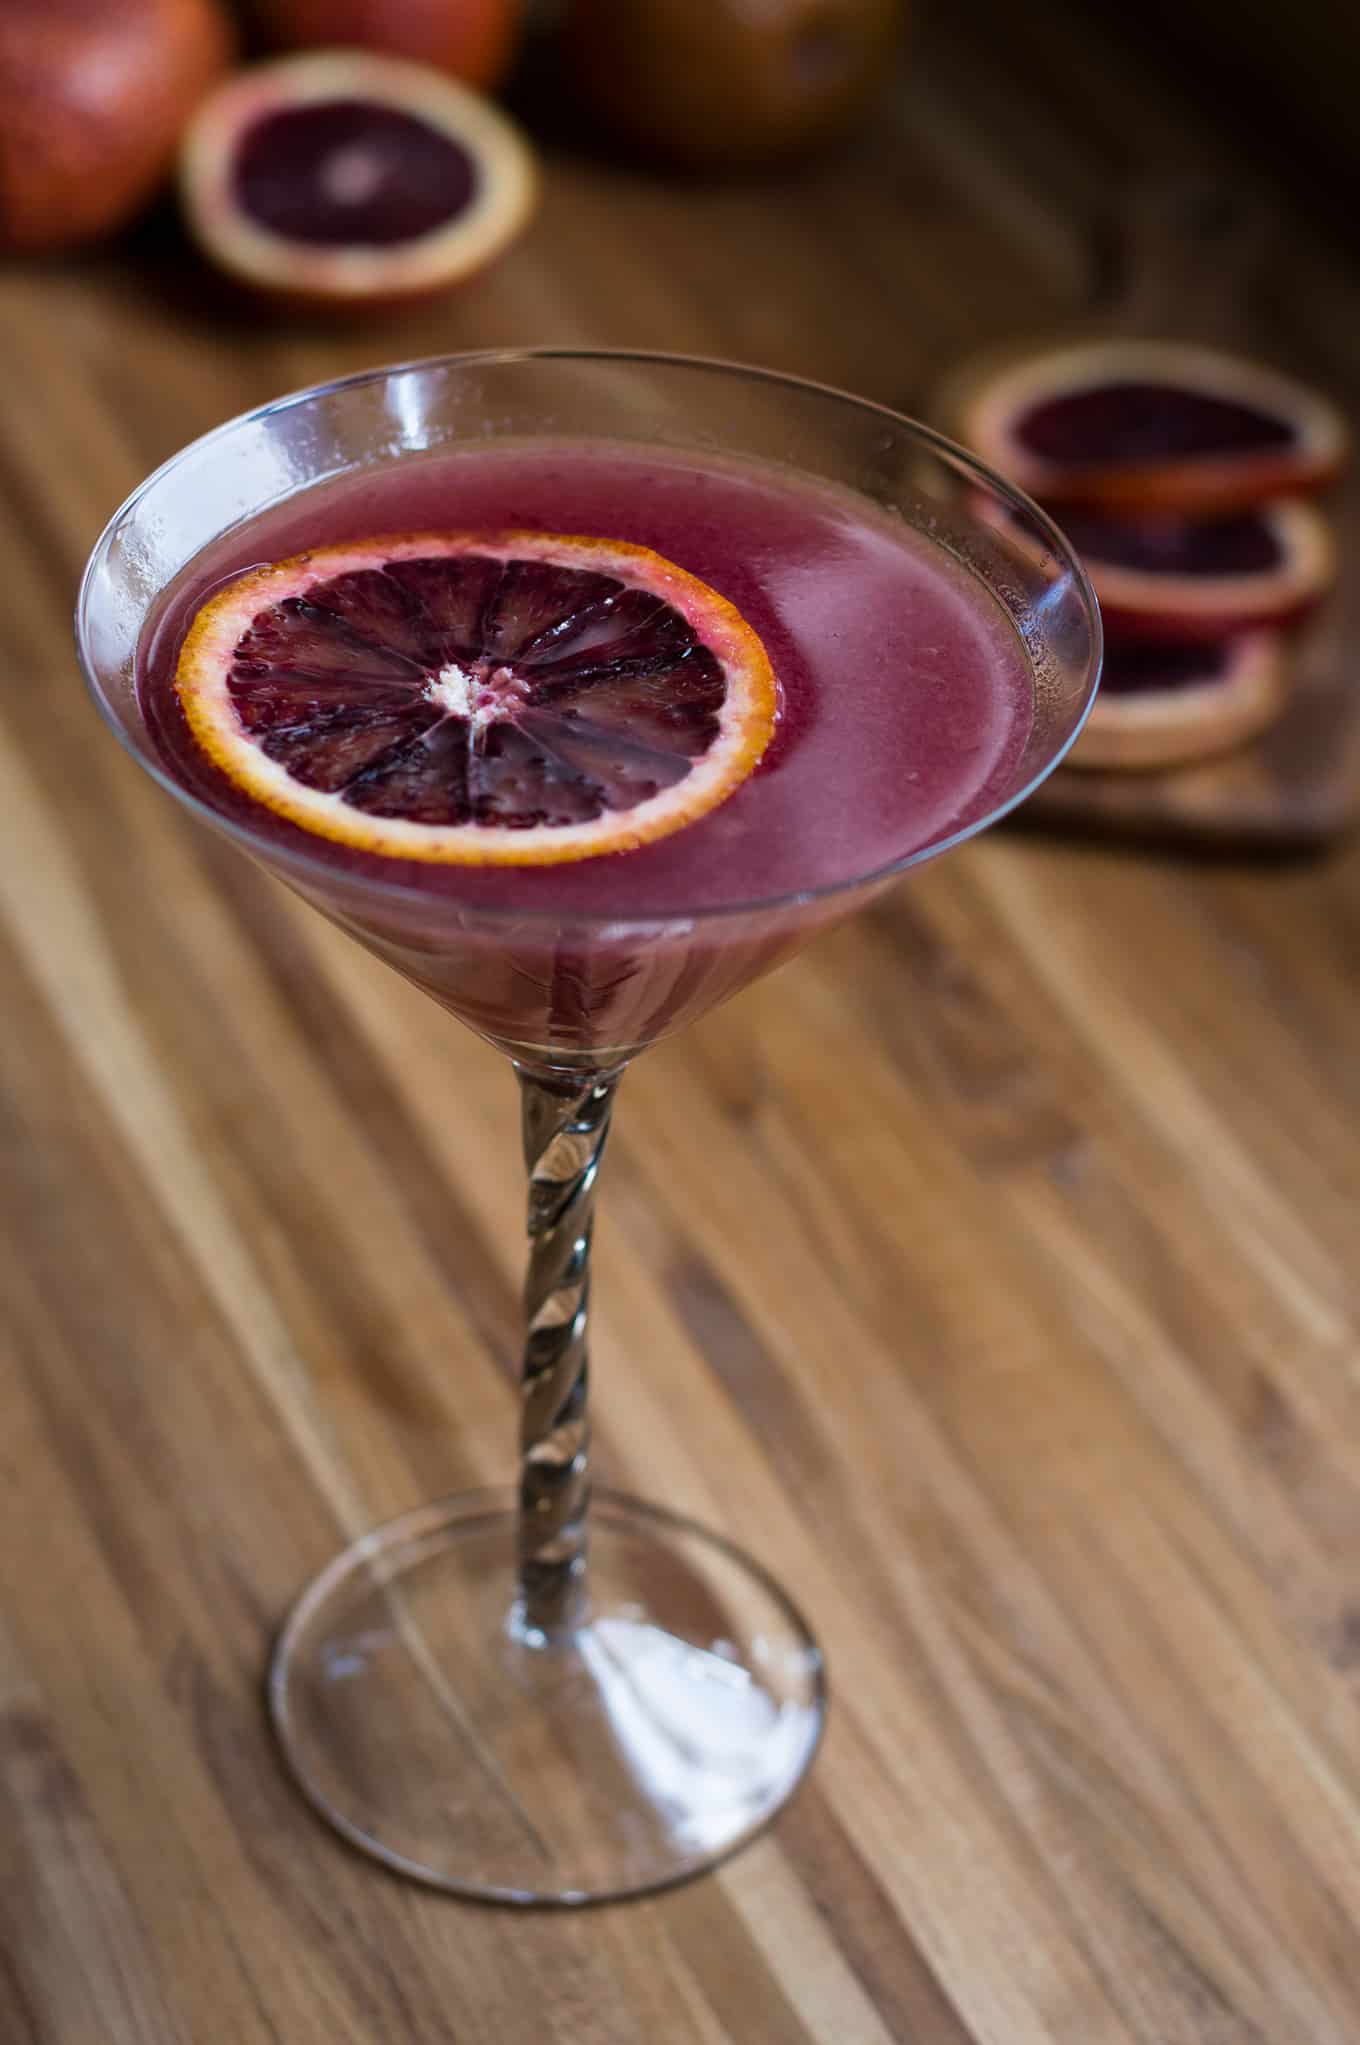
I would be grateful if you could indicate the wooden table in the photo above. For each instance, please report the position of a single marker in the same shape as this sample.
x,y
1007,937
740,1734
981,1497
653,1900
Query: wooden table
x,y
991,1271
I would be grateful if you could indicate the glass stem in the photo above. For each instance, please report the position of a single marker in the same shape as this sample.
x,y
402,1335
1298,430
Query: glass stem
x,y
566,1122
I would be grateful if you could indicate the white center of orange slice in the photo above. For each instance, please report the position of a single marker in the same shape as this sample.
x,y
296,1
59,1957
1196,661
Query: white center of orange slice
x,y
479,699
508,698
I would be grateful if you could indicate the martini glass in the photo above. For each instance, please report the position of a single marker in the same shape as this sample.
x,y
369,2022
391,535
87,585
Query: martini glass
x,y
528,1697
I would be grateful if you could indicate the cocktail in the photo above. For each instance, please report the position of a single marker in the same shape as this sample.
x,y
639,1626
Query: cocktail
x,y
583,689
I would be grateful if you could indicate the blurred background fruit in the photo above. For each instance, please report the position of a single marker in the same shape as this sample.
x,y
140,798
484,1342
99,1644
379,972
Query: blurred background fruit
x,y
1184,581
1174,706
1145,425
473,40
95,97
1181,475
355,182
724,83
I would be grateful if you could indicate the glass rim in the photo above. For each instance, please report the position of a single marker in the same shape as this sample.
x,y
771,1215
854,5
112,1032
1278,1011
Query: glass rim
x,y
276,854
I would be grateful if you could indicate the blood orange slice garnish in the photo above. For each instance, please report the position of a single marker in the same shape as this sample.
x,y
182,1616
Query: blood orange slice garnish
x,y
481,699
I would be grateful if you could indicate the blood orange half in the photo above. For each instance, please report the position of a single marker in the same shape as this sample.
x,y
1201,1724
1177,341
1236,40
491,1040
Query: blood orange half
x,y
512,698
346,180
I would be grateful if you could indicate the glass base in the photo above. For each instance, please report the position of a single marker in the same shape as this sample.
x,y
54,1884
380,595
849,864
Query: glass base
x,y
421,1720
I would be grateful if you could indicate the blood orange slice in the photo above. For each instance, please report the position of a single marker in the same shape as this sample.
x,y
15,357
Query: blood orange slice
x,y
1145,426
1169,706
481,699
1171,580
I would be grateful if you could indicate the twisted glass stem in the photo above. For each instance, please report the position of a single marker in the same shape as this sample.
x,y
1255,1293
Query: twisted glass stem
x,y
566,1122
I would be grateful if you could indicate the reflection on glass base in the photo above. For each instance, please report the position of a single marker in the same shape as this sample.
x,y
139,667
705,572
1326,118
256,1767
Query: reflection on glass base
x,y
646,1747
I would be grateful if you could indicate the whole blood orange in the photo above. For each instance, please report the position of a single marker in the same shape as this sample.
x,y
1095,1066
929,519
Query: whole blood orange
x,y
474,40
95,97
503,699
726,82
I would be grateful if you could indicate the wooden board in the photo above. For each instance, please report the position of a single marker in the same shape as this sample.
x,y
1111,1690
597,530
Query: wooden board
x,y
990,1271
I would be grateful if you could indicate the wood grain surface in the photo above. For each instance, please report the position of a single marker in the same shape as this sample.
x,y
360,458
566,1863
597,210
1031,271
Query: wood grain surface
x,y
990,1271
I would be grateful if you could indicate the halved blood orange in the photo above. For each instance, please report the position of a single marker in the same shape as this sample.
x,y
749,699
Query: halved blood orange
x,y
1169,706
344,179
1147,426
511,698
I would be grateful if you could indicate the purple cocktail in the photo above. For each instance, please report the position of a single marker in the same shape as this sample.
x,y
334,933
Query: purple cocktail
x,y
528,1697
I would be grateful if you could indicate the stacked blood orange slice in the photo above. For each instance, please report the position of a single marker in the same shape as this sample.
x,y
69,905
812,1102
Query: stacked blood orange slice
x,y
1183,478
